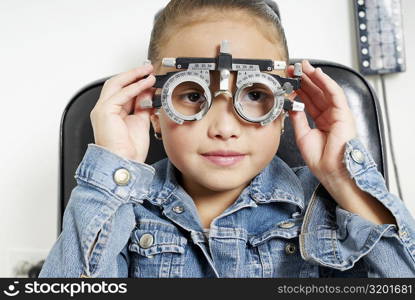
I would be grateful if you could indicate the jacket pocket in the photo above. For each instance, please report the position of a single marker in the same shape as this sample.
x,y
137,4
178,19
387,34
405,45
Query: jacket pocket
x,y
157,252
277,251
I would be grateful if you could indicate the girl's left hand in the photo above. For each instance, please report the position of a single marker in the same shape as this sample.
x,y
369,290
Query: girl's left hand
x,y
322,148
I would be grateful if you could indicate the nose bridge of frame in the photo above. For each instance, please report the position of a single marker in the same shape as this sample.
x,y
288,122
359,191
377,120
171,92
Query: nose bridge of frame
x,y
226,86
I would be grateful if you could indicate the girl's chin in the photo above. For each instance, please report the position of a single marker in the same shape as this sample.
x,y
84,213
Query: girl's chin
x,y
223,183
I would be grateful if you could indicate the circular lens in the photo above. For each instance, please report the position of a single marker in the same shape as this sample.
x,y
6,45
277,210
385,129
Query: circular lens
x,y
255,100
189,98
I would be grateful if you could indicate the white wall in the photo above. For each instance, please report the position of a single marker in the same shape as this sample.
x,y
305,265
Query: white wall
x,y
50,49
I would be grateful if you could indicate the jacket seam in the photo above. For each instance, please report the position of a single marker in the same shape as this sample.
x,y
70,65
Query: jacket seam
x,y
304,227
91,182
96,255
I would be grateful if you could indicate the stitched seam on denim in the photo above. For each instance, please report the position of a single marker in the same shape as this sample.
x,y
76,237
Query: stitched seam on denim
x,y
160,267
88,234
290,233
264,251
349,165
90,237
150,221
166,193
261,259
336,253
238,255
408,245
235,209
383,197
358,172
102,240
345,265
411,251
208,256
93,183
378,193
366,186
373,238
304,226
135,200
228,237
102,151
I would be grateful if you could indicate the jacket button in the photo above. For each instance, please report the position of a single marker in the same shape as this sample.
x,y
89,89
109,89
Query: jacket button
x,y
290,248
286,225
178,209
357,156
146,240
122,176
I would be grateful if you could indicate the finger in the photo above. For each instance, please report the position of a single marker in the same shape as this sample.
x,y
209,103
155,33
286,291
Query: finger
x,y
312,110
319,117
307,85
333,92
116,83
130,92
133,107
299,123
323,121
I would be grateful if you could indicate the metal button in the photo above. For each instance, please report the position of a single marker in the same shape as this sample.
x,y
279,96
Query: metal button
x,y
290,248
178,209
286,225
122,176
146,240
357,156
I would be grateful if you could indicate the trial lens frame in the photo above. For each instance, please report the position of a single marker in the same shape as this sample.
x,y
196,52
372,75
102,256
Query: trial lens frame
x,y
224,62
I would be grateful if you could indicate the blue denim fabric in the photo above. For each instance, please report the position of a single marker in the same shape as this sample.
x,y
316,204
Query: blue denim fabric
x,y
284,224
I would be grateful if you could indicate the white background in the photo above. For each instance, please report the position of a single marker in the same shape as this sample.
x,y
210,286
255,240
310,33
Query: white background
x,y
50,49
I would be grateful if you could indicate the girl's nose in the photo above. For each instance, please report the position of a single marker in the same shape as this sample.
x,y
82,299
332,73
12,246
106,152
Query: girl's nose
x,y
222,118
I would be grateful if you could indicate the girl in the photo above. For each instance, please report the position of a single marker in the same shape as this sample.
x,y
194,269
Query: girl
x,y
222,204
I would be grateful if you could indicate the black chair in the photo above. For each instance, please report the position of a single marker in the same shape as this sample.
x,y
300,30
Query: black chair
x,y
76,130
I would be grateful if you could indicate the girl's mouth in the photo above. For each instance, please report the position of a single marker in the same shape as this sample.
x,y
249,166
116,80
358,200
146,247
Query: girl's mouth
x,y
224,160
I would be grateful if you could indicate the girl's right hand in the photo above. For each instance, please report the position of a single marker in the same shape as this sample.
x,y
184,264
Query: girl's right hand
x,y
115,129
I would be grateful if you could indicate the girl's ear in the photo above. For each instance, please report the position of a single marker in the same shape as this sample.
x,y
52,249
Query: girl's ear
x,y
155,120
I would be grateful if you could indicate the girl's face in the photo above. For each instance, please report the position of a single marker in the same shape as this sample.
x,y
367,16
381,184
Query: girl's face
x,y
221,128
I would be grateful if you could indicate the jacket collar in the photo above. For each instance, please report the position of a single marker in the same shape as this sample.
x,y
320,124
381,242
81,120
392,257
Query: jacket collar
x,y
277,182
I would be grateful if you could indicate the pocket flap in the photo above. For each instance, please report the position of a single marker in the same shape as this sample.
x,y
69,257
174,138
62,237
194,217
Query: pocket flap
x,y
275,232
156,241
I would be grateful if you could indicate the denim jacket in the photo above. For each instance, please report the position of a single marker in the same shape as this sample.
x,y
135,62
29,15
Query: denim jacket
x,y
283,224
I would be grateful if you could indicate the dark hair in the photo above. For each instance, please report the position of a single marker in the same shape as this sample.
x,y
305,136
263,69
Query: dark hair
x,y
178,11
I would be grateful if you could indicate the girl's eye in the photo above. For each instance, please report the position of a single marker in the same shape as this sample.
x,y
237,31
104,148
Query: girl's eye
x,y
256,96
193,97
